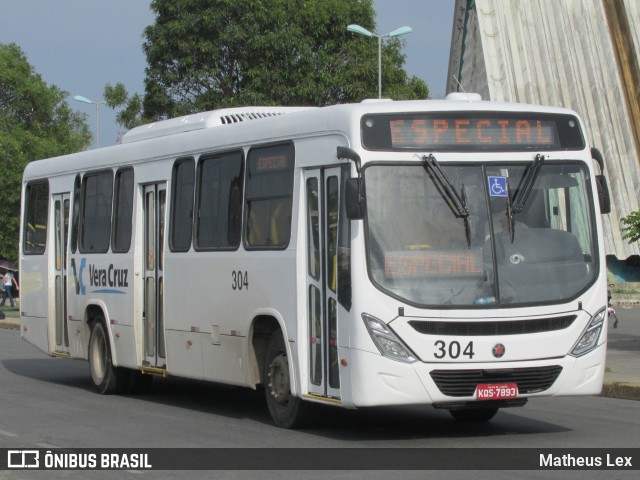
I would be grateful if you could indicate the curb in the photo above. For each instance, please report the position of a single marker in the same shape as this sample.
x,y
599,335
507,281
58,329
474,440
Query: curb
x,y
9,323
623,390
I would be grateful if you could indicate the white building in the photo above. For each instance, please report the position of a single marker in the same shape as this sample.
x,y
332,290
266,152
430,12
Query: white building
x,y
580,54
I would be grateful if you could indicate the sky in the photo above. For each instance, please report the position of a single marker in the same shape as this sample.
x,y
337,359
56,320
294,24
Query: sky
x,y
81,45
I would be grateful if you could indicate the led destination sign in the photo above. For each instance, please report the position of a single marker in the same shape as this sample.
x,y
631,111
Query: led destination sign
x,y
475,131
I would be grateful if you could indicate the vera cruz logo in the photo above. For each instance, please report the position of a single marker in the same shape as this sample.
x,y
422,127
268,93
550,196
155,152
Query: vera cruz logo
x,y
77,275
101,280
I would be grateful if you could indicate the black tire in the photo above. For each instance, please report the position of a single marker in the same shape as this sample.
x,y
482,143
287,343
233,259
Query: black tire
x,y
477,415
286,410
106,378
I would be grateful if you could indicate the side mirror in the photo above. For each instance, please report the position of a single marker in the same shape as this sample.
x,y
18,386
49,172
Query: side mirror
x,y
603,194
601,183
354,198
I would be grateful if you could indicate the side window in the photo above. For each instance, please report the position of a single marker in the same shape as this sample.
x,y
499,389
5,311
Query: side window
x,y
182,205
313,226
95,216
269,191
77,195
344,247
219,209
123,211
35,218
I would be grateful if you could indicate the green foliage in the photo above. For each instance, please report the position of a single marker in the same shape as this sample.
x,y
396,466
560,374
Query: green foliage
x,y
631,227
205,54
35,122
117,96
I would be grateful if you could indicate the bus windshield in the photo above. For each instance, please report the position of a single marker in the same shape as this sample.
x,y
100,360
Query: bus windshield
x,y
429,249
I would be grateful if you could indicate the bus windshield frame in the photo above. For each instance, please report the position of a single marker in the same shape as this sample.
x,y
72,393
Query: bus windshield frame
x,y
419,252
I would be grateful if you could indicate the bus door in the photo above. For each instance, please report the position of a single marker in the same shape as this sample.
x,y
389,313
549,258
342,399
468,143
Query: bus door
x,y
61,208
154,198
323,200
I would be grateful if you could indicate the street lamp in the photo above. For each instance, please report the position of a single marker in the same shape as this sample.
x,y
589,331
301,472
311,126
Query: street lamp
x,y
80,98
395,33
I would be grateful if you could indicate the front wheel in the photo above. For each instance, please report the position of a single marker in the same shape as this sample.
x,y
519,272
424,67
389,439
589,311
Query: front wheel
x,y
286,410
476,415
106,378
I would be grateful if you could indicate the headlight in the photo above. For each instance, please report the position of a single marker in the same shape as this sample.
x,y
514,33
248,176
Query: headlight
x,y
590,336
386,340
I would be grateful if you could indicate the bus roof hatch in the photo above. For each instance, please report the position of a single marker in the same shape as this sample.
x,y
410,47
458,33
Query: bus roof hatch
x,y
197,121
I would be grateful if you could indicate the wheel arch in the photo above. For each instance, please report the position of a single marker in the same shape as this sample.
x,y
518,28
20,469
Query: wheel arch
x,y
263,325
91,314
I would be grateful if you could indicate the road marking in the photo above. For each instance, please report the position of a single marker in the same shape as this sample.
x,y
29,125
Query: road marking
x,y
8,434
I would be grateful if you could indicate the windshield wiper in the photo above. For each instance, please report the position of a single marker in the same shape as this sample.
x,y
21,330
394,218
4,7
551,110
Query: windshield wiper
x,y
517,202
509,213
457,202
521,195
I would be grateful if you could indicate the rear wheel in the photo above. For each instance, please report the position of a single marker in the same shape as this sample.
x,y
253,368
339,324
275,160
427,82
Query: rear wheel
x,y
106,378
287,411
477,415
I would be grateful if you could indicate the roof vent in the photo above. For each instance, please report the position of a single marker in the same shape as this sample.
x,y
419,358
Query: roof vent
x,y
198,121
464,97
244,116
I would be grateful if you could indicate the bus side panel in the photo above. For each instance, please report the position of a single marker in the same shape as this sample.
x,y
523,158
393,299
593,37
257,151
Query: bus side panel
x,y
213,300
35,330
124,346
78,339
34,300
184,353
225,358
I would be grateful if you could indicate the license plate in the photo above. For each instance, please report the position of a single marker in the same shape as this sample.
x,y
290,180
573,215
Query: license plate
x,y
496,391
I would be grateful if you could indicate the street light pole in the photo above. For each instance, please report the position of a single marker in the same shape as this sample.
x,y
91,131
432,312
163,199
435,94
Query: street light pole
x,y
379,66
395,33
80,98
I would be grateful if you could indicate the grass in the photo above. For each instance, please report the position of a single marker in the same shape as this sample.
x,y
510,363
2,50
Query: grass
x,y
9,308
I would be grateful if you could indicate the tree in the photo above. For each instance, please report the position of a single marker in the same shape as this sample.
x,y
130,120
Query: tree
x,y
632,227
205,54
35,122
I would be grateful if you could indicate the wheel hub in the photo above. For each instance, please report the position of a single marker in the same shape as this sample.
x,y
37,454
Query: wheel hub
x,y
279,379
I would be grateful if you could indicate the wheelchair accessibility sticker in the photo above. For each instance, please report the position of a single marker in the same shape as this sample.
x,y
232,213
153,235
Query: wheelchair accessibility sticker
x,y
498,186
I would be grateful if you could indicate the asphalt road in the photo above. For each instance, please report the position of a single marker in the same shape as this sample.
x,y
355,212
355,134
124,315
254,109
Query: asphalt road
x,y
626,336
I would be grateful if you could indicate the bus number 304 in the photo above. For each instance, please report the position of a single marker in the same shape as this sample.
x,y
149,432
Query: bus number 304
x,y
240,280
452,350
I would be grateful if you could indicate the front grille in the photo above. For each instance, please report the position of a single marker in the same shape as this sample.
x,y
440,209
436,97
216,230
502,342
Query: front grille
x,y
493,327
462,383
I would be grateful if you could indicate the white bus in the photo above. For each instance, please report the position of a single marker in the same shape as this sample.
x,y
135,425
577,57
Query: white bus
x,y
384,253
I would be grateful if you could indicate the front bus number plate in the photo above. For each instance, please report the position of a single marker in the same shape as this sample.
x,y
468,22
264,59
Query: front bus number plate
x,y
496,391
